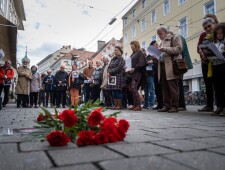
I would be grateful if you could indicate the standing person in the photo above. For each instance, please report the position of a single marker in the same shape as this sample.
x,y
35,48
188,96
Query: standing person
x,y
96,82
23,83
106,92
157,81
219,69
41,96
87,73
75,79
35,86
6,76
149,87
49,85
116,69
138,65
170,81
209,23
61,86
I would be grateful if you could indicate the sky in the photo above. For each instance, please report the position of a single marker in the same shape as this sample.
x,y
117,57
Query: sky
x,y
50,24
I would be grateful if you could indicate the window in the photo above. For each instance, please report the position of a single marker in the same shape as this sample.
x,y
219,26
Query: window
x,y
143,25
143,45
133,32
180,2
166,7
210,8
125,38
2,5
183,27
143,4
134,13
153,38
125,21
153,16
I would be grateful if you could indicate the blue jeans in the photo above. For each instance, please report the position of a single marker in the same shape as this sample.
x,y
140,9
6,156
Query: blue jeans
x,y
150,92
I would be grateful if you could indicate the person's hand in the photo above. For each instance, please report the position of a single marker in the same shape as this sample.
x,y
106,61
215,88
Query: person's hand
x,y
60,82
132,70
203,57
150,61
162,49
108,75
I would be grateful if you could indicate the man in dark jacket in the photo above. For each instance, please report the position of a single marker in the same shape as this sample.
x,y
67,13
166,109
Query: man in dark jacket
x,y
61,86
49,85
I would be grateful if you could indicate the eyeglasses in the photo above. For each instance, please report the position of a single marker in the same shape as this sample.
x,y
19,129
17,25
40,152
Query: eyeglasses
x,y
209,26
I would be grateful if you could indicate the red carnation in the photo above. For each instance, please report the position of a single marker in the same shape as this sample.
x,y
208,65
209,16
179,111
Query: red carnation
x,y
85,137
58,138
68,117
101,138
40,117
95,117
110,128
123,126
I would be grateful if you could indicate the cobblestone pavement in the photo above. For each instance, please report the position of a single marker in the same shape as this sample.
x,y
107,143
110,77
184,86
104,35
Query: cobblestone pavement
x,y
171,141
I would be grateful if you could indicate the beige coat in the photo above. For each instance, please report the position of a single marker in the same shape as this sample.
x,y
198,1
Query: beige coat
x,y
35,83
23,82
176,51
105,78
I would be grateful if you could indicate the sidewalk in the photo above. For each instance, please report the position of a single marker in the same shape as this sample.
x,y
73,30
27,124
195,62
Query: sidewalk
x,y
155,141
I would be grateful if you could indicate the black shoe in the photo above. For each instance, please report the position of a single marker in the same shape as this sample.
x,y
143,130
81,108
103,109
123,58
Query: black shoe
x,y
3,105
217,111
163,110
64,106
157,108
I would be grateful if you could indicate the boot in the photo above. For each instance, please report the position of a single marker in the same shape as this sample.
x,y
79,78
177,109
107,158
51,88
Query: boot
x,y
137,108
115,104
119,104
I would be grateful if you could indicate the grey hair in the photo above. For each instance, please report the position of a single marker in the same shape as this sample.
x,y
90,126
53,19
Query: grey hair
x,y
164,29
208,21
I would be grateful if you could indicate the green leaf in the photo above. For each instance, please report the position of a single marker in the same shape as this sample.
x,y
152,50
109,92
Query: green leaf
x,y
56,113
114,114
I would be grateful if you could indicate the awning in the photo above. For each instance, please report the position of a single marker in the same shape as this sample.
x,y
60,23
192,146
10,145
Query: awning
x,y
8,39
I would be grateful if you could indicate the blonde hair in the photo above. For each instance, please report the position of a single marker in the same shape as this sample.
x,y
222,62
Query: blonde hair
x,y
136,44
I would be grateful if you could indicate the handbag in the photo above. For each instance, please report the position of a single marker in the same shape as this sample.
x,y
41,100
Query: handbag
x,y
179,65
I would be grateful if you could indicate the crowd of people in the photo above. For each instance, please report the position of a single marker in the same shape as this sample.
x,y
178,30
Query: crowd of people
x,y
121,88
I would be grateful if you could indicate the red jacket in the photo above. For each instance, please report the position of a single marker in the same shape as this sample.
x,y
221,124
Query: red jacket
x,y
9,72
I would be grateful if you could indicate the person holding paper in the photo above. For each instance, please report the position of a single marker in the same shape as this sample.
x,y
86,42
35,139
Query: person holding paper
x,y
115,70
87,73
6,76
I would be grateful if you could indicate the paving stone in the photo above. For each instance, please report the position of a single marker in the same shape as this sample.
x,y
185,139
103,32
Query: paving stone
x,y
142,163
14,138
183,145
140,138
78,167
211,140
201,160
218,150
82,155
21,161
171,135
42,146
140,149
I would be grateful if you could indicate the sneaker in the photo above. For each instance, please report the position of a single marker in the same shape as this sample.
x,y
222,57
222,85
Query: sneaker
x,y
205,109
223,112
130,107
217,111
157,108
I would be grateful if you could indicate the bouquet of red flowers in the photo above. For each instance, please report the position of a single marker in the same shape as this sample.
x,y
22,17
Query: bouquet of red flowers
x,y
85,126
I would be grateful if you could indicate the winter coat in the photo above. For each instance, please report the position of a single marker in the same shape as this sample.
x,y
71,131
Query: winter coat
x,y
24,79
75,82
51,86
35,83
116,68
175,51
9,72
185,53
61,76
138,63
104,77
97,75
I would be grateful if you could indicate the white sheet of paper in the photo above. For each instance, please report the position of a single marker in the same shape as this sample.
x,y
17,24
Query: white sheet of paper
x,y
128,64
153,51
214,49
149,67
112,80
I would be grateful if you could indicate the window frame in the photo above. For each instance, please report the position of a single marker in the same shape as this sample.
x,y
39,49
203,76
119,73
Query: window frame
x,y
143,4
125,38
153,22
186,26
164,11
134,13
179,3
214,5
143,24
133,33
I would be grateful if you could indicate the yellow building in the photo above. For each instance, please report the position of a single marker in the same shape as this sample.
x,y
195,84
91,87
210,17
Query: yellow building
x,y
183,17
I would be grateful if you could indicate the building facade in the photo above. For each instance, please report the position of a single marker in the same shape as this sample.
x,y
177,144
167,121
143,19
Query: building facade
x,y
46,63
182,17
12,16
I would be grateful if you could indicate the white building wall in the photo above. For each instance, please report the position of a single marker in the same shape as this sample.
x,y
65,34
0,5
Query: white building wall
x,y
195,84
